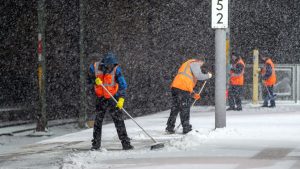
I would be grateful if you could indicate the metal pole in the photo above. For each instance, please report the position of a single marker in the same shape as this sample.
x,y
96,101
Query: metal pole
x,y
298,83
41,115
220,82
82,113
228,55
228,48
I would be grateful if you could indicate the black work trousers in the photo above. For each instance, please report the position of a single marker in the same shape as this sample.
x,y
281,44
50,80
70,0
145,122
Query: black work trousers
x,y
234,96
181,103
268,94
108,105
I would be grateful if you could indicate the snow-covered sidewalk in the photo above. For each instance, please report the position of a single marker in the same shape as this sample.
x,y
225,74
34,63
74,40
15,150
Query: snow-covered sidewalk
x,y
254,138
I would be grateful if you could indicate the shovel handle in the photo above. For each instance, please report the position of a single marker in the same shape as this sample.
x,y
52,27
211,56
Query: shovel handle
x,y
128,114
200,92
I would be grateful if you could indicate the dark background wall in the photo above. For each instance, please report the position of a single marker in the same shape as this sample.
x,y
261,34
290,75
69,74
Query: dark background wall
x,y
151,38
18,61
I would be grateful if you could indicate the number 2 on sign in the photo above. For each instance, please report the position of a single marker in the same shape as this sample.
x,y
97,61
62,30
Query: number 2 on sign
x,y
221,17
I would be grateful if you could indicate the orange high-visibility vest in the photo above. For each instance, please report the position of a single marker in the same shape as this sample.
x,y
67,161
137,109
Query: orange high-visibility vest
x,y
185,80
237,79
272,79
108,81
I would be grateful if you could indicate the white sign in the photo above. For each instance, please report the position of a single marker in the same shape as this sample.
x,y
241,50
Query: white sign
x,y
219,14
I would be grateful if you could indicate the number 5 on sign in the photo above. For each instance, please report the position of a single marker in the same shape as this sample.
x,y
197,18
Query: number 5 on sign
x,y
219,14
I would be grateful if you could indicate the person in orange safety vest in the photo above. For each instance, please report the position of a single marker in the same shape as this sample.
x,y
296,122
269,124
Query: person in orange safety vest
x,y
182,89
108,73
268,75
236,83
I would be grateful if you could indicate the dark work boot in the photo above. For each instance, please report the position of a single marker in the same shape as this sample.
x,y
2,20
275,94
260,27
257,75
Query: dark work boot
x,y
187,129
265,103
230,108
239,109
170,130
126,145
95,145
272,104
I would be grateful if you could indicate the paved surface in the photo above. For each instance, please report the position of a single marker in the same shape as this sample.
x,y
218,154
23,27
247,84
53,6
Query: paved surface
x,y
241,156
230,153
214,157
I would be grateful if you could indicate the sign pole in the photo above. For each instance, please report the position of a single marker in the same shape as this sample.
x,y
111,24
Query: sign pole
x,y
41,115
220,23
220,80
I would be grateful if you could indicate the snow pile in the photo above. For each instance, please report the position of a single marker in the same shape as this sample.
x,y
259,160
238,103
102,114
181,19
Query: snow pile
x,y
190,141
79,161
91,159
195,138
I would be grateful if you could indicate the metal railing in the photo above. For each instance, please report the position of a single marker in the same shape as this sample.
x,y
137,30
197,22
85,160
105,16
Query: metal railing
x,y
287,87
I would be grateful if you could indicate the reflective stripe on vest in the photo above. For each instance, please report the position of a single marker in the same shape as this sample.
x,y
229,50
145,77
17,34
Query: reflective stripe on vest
x,y
237,79
272,79
108,80
185,79
188,66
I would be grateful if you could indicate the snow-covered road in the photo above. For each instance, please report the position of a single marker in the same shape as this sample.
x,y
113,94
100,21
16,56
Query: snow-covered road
x,y
254,138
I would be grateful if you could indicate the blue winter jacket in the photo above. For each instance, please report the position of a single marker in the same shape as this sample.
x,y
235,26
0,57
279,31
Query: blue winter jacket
x,y
268,73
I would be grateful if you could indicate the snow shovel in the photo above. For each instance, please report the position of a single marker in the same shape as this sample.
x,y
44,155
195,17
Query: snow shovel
x,y
193,102
271,97
156,144
269,94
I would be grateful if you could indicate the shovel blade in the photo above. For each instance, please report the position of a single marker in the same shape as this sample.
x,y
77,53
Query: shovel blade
x,y
157,146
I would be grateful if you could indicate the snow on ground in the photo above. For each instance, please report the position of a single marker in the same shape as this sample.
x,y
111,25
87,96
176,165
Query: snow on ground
x,y
249,133
254,138
13,143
